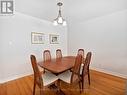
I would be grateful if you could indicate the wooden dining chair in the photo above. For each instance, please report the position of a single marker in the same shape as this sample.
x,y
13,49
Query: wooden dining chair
x,y
41,80
46,55
68,76
81,52
86,70
58,53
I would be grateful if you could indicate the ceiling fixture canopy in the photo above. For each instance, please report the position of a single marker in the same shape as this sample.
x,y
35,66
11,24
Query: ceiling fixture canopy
x,y
59,20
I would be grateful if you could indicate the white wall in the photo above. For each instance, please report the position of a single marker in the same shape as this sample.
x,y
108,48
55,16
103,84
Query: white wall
x,y
16,47
106,37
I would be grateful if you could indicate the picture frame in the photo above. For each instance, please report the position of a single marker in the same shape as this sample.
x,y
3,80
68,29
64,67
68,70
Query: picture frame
x,y
37,38
54,39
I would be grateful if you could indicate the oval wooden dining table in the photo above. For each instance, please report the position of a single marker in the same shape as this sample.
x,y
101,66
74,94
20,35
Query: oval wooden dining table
x,y
58,66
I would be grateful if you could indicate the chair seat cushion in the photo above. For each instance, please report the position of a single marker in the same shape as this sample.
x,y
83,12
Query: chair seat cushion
x,y
48,78
66,76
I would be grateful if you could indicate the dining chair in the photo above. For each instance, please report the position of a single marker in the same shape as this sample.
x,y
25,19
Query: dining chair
x,y
46,55
86,70
68,76
41,80
58,53
81,52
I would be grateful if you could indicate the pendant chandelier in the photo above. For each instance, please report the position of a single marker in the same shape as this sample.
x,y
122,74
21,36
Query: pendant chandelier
x,y
59,20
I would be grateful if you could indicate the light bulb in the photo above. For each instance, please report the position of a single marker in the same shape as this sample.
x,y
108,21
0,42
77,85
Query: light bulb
x,y
60,20
55,22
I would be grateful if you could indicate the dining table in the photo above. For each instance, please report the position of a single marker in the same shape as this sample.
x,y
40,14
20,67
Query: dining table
x,y
58,66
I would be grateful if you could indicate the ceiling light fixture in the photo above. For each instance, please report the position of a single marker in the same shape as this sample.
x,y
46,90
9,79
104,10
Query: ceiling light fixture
x,y
59,20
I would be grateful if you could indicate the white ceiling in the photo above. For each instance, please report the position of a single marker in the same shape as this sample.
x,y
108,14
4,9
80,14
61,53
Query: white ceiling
x,y
72,10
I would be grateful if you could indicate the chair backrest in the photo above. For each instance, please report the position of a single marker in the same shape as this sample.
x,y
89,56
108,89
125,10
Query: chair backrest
x,y
86,63
76,68
81,52
46,55
37,75
58,53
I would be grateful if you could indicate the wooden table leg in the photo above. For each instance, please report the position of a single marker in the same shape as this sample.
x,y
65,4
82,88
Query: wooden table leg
x,y
59,91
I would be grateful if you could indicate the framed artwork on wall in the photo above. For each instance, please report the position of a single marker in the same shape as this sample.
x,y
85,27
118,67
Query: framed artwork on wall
x,y
37,38
54,39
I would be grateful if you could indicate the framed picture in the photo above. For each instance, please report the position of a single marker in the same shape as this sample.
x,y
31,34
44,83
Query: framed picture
x,y
54,39
37,38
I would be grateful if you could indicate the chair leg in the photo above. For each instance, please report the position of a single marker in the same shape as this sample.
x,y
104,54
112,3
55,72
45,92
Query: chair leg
x,y
42,90
80,86
82,83
89,77
34,88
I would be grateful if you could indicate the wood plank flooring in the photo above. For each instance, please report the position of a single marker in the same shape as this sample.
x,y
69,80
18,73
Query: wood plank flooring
x,y
101,84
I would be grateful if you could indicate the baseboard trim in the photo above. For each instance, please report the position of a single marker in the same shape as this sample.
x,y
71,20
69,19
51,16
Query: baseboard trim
x,y
93,68
109,72
14,77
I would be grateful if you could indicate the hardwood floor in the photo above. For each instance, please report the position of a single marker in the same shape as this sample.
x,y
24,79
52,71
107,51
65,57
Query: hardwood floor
x,y
101,84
